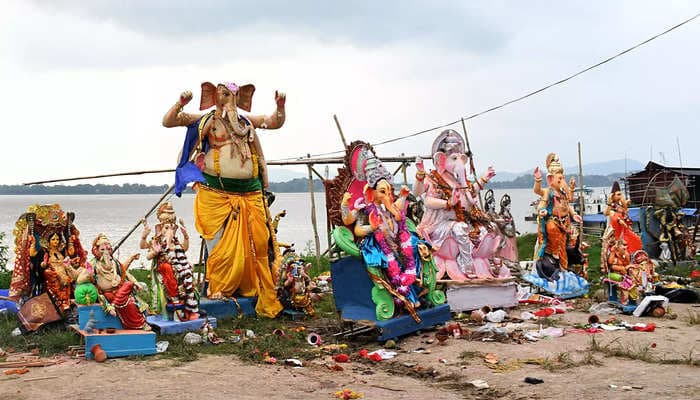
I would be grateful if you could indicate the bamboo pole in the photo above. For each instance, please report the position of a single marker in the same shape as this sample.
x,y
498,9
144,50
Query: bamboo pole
x,y
471,160
156,171
317,242
582,202
167,192
340,130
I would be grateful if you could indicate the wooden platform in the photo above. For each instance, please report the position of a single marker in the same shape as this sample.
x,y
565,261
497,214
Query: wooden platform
x,y
167,327
352,290
228,308
121,343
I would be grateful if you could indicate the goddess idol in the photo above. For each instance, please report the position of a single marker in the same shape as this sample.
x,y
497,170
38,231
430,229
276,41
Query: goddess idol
x,y
230,210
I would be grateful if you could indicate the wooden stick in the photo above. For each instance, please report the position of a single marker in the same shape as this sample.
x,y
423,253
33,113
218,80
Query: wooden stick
x,y
155,171
167,192
340,130
582,203
313,216
39,378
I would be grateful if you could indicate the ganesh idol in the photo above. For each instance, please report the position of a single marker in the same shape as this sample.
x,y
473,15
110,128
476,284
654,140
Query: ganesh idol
x,y
222,154
464,237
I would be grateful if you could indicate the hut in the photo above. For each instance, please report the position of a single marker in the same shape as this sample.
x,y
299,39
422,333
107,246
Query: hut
x,y
641,186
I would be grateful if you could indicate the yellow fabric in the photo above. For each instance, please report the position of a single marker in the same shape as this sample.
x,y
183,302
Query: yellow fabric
x,y
239,260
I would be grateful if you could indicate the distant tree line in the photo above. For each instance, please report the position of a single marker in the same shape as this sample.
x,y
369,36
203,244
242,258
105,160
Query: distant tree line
x,y
527,181
293,186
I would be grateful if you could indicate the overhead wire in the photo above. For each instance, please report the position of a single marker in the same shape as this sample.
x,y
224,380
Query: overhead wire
x,y
517,99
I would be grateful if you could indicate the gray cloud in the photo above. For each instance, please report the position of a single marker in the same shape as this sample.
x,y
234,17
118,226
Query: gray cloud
x,y
453,24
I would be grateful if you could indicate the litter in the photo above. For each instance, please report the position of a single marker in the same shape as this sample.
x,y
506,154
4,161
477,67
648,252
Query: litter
x,y
479,384
162,346
496,316
385,355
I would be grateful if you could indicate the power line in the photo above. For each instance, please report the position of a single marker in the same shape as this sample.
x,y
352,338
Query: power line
x,y
523,97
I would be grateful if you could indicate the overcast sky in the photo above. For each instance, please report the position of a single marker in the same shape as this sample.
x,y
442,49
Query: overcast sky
x,y
85,83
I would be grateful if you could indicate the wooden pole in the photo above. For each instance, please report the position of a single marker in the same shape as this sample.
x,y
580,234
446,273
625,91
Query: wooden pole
x,y
471,160
167,192
317,242
405,177
155,171
582,202
340,130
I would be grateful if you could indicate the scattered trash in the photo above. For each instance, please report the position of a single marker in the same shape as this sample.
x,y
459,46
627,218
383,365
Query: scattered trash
x,y
381,354
335,368
249,334
527,315
477,316
347,394
479,384
496,316
234,339
293,362
18,371
605,308
442,360
593,319
98,353
442,335
267,358
650,304
533,381
341,358
430,341
551,332
16,332
192,338
314,339
409,364
491,358
455,330
390,344
162,346
279,332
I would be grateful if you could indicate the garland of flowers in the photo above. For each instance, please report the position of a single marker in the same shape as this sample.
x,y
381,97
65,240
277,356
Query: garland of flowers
x,y
402,281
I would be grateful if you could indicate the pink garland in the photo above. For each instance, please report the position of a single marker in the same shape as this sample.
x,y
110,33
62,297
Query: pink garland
x,y
404,280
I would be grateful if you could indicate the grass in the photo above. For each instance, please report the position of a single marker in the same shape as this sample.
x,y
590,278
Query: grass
x,y
56,340
564,360
640,352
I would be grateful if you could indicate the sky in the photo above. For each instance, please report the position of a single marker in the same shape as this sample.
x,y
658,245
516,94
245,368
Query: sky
x,y
84,84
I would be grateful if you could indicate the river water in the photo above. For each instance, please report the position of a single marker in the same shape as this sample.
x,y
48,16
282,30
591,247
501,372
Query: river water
x,y
115,215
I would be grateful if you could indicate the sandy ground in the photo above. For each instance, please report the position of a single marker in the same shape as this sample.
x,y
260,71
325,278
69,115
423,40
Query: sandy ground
x,y
439,374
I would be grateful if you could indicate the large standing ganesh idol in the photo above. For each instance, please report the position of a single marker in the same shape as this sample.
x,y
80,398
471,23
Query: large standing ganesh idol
x,y
377,230
222,153
463,236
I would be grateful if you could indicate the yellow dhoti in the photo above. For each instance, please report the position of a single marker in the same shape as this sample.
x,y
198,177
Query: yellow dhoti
x,y
239,261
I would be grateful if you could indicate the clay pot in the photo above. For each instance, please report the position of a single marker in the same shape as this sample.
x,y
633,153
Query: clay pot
x,y
98,353
658,312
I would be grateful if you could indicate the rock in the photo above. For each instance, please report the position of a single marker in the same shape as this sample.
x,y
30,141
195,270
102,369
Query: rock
x,y
192,338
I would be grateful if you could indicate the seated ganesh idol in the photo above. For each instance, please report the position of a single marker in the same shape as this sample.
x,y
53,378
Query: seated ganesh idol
x,y
464,237
372,224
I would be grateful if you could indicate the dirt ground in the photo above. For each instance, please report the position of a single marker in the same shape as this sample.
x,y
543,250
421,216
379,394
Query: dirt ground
x,y
566,364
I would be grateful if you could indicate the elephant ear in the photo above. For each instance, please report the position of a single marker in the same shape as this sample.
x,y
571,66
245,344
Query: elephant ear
x,y
208,98
245,97
440,159
369,194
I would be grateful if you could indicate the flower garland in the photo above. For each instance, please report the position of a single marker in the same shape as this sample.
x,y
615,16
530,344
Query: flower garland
x,y
402,281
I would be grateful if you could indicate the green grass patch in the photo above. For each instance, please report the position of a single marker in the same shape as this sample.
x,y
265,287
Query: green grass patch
x,y
49,341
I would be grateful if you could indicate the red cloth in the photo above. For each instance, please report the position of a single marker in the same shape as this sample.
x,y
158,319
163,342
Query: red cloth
x,y
125,306
620,224
166,272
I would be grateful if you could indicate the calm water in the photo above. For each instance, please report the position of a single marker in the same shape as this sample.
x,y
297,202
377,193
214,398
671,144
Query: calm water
x,y
115,215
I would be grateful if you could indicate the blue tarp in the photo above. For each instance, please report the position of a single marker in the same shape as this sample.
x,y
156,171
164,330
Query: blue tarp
x,y
568,286
6,305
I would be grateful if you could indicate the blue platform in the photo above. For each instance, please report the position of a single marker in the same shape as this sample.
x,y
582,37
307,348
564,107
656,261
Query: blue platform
x,y
167,327
121,343
102,320
352,289
228,308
